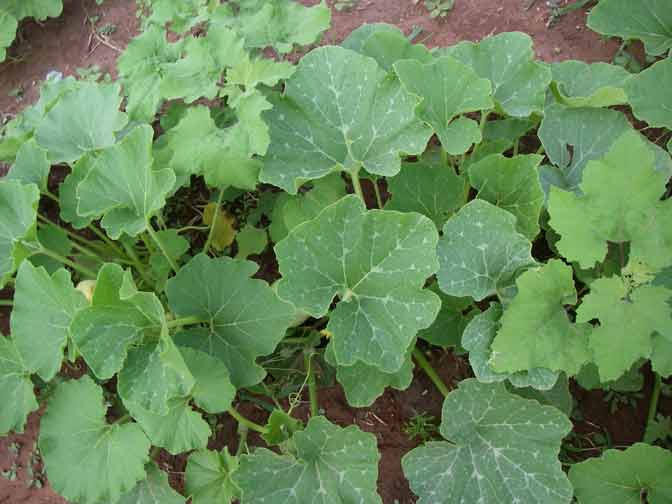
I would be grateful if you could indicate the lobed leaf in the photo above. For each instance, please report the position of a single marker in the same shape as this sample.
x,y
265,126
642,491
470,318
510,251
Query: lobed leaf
x,y
209,477
580,84
16,389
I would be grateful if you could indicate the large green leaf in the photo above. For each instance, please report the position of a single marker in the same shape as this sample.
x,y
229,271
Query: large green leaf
x,y
122,186
477,339
535,329
327,463
511,184
647,20
502,448
376,263
624,476
280,24
358,37
44,307
69,130
31,165
18,207
580,84
8,26
154,490
16,389
39,9
244,316
209,477
213,390
480,252
179,16
447,89
78,449
389,46
628,318
340,111
519,83
450,322
627,209
649,96
118,317
428,188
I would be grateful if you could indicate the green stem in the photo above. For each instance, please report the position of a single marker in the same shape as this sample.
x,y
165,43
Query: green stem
x,y
6,302
213,224
541,150
312,386
297,341
192,228
185,321
105,239
51,196
123,419
516,146
130,251
247,423
357,186
83,270
653,405
163,250
376,190
429,371
444,157
71,234
484,120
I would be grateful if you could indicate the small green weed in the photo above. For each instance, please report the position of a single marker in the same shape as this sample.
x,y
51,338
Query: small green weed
x,y
422,426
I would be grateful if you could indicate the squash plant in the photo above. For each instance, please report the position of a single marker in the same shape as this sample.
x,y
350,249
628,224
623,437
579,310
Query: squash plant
x,y
459,160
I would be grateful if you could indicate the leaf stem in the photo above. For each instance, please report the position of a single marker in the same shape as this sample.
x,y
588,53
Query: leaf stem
x,y
655,395
430,372
6,302
213,224
105,239
247,423
444,157
376,190
516,146
163,250
82,270
185,321
312,386
357,186
130,251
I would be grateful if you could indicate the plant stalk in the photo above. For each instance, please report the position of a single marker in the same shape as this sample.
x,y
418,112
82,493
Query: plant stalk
x,y
655,395
82,270
357,186
6,302
312,386
213,224
105,239
185,321
376,190
163,250
430,372
130,251
247,423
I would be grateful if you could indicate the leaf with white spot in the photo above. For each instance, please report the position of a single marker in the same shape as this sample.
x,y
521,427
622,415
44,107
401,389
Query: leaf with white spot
x,y
519,82
376,263
502,448
209,477
340,111
580,84
328,463
447,89
480,252
476,340
245,317
16,389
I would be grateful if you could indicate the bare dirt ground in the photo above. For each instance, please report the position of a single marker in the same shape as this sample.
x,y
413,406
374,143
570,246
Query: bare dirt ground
x,y
66,44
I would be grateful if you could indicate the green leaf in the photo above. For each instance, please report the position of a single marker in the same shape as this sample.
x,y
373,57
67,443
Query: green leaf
x,y
39,9
503,448
67,193
647,93
117,318
251,240
559,396
16,389
480,252
535,329
69,130
450,322
624,476
154,490
447,89
389,46
628,317
122,186
175,246
55,239
180,16
180,429
140,70
208,477
364,384
41,334
280,24
518,82
18,207
358,37
627,210
511,184
213,391
340,111
290,211
648,20
427,188
477,340
376,263
249,73
281,426
328,463
8,26
78,449
580,84
574,137
153,374
246,319
31,165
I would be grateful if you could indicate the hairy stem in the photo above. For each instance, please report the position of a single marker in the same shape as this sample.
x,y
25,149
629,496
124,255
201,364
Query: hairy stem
x,y
130,251
185,321
106,240
213,224
82,270
357,186
655,395
163,250
6,302
247,423
430,372
376,190
312,386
